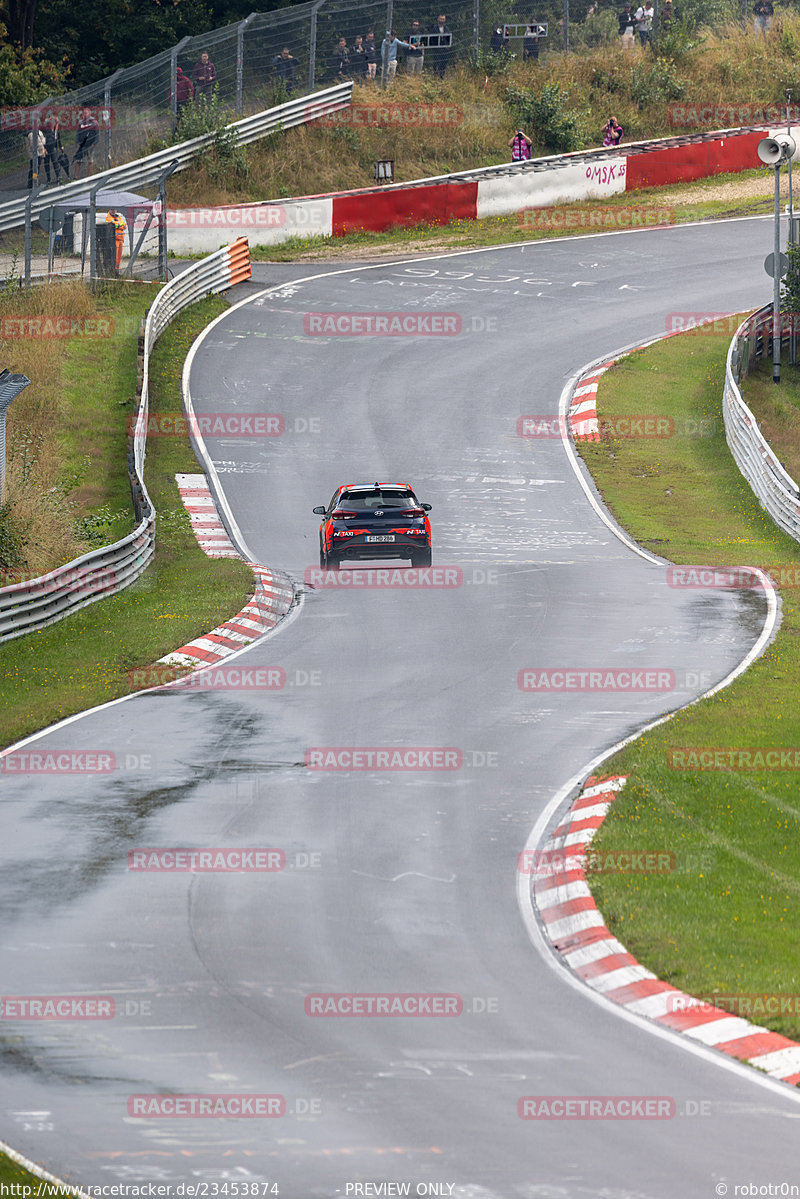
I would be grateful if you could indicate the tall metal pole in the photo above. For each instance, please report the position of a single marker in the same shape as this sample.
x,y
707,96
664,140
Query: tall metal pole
x,y
10,387
93,231
789,131
476,20
385,57
173,74
240,28
162,220
566,26
107,110
776,282
28,204
312,46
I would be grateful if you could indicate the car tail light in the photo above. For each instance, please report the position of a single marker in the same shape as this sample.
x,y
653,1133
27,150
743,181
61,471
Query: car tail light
x,y
413,512
340,514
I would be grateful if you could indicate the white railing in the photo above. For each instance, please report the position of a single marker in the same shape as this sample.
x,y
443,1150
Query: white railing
x,y
34,603
775,489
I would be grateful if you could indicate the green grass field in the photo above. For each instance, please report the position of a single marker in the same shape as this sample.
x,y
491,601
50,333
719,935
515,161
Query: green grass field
x,y
86,659
722,923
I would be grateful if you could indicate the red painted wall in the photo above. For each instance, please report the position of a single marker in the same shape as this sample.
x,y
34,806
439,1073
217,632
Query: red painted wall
x,y
436,203
679,164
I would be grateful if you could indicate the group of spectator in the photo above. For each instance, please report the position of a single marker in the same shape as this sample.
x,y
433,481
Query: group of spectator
x,y
48,147
199,86
641,22
360,61
500,43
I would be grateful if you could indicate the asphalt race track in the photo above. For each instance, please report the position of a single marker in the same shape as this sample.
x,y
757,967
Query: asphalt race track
x,y
402,881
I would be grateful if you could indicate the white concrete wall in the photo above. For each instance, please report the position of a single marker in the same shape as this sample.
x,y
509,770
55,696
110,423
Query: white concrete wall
x,y
203,230
501,195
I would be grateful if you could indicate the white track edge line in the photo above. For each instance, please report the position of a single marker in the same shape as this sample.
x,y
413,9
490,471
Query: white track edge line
x,y
38,1172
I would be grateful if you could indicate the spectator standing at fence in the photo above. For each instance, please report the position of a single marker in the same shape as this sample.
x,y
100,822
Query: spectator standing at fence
x,y
87,136
530,42
644,21
416,55
184,89
612,132
499,43
441,54
358,59
520,145
341,60
115,218
54,150
627,27
204,77
41,150
371,54
283,67
762,16
389,47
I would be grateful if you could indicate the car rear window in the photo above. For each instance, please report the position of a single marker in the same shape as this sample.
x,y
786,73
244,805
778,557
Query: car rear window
x,y
368,501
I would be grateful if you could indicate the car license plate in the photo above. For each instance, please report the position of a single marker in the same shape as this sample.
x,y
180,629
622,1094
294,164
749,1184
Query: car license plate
x,y
387,537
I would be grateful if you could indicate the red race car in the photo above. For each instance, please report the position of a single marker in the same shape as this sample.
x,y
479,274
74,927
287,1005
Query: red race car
x,y
374,520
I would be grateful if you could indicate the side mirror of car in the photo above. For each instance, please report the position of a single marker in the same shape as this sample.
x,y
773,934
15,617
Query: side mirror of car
x,y
319,510
425,507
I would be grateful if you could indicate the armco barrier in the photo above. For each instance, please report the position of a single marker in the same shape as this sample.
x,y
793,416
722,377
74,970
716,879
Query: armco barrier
x,y
31,605
470,195
145,172
776,490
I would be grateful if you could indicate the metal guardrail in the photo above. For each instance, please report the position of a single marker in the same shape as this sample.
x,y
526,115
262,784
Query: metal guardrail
x,y
775,489
144,172
35,603
554,161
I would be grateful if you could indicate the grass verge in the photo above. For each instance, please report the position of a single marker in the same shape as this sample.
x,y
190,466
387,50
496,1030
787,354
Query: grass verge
x,y
13,1174
722,923
85,659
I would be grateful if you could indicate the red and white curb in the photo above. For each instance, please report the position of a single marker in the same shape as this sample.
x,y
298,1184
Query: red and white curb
x,y
206,523
273,596
576,930
582,414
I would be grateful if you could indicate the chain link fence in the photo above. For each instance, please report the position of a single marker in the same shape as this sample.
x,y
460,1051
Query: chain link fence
x,y
251,65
